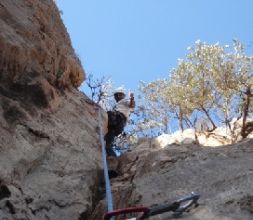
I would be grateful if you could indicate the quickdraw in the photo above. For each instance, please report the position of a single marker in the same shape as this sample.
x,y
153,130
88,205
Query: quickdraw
x,y
178,207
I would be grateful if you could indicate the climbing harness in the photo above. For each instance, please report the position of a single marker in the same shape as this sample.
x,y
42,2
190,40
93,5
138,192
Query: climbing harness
x,y
178,207
106,175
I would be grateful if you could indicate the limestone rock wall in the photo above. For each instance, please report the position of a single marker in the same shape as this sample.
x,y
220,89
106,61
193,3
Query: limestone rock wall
x,y
222,175
36,55
50,157
50,163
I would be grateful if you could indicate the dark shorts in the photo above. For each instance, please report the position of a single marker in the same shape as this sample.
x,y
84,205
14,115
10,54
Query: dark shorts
x,y
116,124
116,121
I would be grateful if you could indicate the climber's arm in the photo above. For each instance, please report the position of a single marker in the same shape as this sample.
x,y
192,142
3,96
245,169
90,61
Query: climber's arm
x,y
132,102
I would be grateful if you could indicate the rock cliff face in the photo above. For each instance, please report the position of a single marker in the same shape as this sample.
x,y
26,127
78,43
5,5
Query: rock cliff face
x,y
150,175
50,159
36,54
50,163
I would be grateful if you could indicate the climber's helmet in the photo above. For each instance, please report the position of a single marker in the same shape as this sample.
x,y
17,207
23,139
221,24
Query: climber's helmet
x,y
119,93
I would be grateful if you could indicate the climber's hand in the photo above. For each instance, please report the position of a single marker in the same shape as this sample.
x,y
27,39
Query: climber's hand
x,y
131,95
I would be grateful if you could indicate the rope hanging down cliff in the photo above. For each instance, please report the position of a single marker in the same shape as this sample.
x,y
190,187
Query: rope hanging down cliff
x,y
106,175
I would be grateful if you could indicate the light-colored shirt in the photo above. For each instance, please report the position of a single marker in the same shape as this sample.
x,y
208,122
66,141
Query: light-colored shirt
x,y
123,107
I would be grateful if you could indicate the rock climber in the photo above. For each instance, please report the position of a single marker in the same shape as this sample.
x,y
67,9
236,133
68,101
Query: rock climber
x,y
117,118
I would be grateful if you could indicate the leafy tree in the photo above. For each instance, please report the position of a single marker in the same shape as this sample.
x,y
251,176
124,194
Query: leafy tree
x,y
152,110
212,82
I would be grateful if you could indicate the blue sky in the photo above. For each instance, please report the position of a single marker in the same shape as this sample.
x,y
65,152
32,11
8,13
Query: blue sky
x,y
133,40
